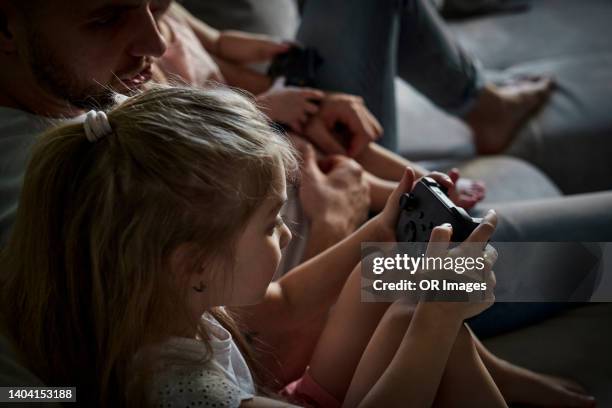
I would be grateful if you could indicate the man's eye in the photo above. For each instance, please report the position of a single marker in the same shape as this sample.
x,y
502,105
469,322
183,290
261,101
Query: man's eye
x,y
106,21
159,7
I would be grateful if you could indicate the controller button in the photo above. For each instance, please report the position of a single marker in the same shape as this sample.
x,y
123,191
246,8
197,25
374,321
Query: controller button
x,y
411,231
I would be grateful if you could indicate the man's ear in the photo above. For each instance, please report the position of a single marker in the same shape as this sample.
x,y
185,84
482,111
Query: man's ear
x,y
7,20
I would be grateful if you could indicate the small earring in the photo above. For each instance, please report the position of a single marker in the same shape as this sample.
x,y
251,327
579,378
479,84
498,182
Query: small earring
x,y
200,288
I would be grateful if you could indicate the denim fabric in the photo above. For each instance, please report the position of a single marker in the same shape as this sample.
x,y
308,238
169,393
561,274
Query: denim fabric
x,y
365,44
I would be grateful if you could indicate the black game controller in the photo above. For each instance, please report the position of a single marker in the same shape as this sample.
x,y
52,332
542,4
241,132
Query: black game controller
x,y
298,65
428,206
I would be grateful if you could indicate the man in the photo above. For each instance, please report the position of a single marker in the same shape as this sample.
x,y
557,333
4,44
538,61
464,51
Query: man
x,y
59,61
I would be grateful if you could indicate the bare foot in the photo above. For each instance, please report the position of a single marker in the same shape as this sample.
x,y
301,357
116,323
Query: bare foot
x,y
467,193
519,385
501,110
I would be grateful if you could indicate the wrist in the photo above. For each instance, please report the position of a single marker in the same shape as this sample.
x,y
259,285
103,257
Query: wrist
x,y
217,44
441,314
332,228
377,231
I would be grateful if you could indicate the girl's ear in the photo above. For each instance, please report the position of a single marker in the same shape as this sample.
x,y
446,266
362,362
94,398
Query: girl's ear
x,y
188,273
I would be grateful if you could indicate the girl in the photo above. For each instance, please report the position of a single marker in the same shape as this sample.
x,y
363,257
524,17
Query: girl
x,y
134,229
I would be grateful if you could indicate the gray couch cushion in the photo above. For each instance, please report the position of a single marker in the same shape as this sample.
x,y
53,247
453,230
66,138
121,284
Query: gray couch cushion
x,y
571,139
509,179
425,132
575,344
549,30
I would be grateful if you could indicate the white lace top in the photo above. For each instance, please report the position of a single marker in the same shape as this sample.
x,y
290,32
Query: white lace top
x,y
223,381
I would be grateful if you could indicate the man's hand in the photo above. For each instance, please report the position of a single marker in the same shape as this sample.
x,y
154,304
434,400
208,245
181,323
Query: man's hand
x,y
343,125
333,192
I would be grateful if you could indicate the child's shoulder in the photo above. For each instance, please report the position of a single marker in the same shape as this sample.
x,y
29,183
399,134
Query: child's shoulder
x,y
203,386
191,373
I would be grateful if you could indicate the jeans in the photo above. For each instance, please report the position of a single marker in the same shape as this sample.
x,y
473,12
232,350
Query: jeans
x,y
365,44
577,218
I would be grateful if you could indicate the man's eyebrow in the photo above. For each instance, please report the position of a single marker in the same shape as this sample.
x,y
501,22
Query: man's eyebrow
x,y
113,8
280,202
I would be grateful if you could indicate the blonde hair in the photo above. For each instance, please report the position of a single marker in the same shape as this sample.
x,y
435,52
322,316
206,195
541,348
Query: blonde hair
x,y
85,273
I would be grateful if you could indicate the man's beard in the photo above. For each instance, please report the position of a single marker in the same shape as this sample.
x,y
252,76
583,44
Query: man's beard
x,y
60,81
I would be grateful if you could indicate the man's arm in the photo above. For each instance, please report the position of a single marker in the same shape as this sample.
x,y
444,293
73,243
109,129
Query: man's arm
x,y
356,139
233,50
335,203
385,164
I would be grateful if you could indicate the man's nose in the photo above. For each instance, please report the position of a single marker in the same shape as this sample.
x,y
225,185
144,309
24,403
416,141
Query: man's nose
x,y
285,237
148,40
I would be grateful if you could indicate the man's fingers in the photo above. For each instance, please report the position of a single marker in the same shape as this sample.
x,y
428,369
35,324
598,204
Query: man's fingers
x,y
309,164
311,108
268,49
357,145
324,139
311,93
368,122
378,129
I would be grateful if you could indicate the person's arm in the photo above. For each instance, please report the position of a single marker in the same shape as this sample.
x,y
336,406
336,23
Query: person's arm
x,y
233,50
335,203
242,77
385,164
414,374
379,190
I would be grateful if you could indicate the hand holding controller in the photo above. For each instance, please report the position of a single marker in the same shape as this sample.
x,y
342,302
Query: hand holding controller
x,y
426,207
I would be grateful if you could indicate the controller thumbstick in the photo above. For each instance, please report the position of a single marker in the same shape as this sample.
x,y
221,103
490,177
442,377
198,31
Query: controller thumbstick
x,y
408,202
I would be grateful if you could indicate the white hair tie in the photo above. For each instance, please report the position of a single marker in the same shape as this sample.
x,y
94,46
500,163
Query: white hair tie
x,y
96,125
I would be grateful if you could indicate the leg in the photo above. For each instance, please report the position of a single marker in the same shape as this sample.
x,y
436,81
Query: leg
x,y
357,41
580,218
372,41
431,60
341,358
519,385
464,371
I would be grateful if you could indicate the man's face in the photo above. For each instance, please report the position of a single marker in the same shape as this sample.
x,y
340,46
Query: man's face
x,y
78,51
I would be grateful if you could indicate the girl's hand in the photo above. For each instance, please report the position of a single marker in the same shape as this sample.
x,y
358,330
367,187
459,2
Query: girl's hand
x,y
386,221
246,48
291,106
474,246
441,178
